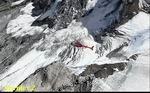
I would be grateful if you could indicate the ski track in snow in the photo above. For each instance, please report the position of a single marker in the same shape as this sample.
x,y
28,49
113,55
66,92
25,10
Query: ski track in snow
x,y
58,43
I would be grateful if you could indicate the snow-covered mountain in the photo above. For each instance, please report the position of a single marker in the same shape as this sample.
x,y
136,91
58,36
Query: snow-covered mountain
x,y
38,50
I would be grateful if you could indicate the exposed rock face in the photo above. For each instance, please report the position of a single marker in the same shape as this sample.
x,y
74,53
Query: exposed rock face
x,y
54,77
12,48
8,4
57,77
99,20
103,71
41,6
61,13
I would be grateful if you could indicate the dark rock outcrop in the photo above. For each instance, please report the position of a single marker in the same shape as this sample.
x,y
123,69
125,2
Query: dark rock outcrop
x,y
57,77
62,13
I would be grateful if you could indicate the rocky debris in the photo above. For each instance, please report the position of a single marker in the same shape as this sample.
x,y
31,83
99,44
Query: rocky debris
x,y
7,4
65,12
116,52
41,6
57,77
144,5
4,4
82,83
7,45
13,48
6,16
103,71
130,9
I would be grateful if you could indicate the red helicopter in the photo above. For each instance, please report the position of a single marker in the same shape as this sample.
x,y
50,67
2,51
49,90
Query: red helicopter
x,y
78,44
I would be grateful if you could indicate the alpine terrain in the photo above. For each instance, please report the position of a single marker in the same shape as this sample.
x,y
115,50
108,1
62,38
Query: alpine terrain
x,y
74,45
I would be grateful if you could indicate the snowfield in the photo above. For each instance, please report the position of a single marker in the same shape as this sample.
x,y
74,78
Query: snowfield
x,y
56,47
17,2
22,24
136,77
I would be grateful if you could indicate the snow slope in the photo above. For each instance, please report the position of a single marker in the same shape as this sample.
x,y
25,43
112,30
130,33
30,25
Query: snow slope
x,y
17,2
91,4
139,74
50,12
138,30
136,77
104,14
56,47
22,24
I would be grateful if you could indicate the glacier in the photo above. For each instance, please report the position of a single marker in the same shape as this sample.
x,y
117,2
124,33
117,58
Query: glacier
x,y
56,47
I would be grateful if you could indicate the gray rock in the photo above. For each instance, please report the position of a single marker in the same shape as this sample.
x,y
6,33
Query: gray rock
x,y
56,77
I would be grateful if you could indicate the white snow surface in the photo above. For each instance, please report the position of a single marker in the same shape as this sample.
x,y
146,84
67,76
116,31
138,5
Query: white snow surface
x,y
138,29
58,48
17,2
22,24
91,4
139,77
136,77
